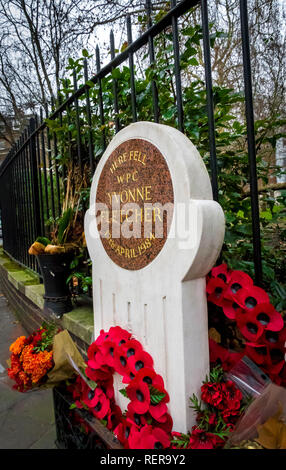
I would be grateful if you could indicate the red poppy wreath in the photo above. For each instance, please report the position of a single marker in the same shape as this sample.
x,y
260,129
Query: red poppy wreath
x,y
147,423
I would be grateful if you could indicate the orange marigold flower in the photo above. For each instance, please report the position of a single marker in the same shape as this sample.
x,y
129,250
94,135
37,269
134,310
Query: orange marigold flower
x,y
36,364
17,346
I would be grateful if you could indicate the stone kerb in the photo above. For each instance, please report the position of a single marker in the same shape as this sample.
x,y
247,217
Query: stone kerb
x,y
163,303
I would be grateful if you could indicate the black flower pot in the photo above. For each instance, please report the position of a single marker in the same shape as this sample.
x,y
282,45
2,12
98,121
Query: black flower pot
x,y
55,271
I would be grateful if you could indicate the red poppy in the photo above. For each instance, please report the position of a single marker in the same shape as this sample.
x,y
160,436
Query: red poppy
x,y
231,309
135,418
100,404
149,438
107,350
140,396
249,326
131,347
121,362
95,357
101,338
221,272
123,432
100,374
269,318
249,298
149,376
212,394
201,439
237,283
165,423
258,353
114,417
117,335
139,360
222,356
216,288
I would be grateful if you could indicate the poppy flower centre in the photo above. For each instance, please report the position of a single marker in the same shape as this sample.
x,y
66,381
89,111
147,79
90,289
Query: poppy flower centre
x,y
262,351
218,291
147,380
252,328
127,432
139,365
158,445
139,395
263,318
276,355
91,394
111,350
98,406
123,361
132,375
122,342
250,302
235,306
271,336
137,419
222,276
235,287
130,352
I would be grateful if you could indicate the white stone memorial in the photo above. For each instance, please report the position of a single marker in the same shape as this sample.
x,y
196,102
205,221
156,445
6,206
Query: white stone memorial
x,y
156,288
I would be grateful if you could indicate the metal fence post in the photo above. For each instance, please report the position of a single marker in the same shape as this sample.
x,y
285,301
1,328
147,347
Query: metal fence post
x,y
34,174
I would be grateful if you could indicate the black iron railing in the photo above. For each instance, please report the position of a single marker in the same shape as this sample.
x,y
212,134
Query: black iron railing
x,y
32,182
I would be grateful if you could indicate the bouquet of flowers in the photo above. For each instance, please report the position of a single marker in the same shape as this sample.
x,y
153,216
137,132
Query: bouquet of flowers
x,y
43,358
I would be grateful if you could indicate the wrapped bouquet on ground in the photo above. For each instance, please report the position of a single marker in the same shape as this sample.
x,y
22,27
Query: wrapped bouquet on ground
x,y
43,359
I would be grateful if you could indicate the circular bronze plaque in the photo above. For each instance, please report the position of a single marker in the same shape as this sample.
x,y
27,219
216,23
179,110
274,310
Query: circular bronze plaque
x,y
136,188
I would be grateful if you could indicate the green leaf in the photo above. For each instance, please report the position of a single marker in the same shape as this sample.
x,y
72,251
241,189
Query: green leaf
x,y
123,392
84,53
155,395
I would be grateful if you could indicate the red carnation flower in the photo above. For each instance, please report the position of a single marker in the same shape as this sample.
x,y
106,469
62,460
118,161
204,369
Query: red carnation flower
x,y
230,417
232,396
201,439
140,396
212,394
212,419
